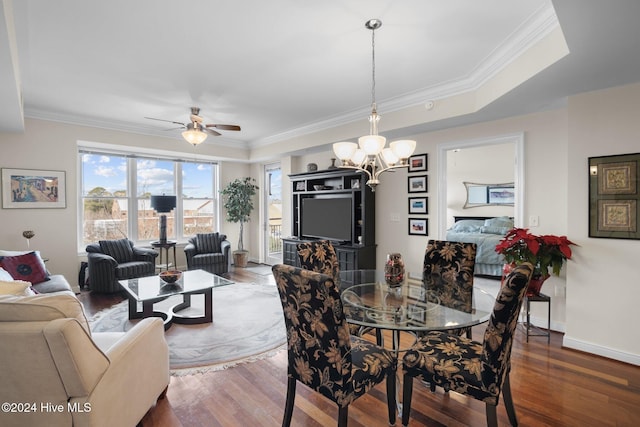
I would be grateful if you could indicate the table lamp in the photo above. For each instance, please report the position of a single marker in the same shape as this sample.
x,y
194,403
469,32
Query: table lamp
x,y
163,204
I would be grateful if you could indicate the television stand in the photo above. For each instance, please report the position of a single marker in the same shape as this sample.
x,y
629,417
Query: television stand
x,y
350,257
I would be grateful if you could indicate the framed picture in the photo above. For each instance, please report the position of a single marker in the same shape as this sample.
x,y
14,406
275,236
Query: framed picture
x,y
300,186
355,183
418,163
418,205
417,184
614,196
489,194
30,188
419,226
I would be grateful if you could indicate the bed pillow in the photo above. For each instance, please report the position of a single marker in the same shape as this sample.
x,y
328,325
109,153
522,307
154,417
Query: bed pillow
x,y
28,267
494,230
468,226
500,221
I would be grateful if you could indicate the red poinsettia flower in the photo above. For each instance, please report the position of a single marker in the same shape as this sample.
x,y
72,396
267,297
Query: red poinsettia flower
x,y
544,252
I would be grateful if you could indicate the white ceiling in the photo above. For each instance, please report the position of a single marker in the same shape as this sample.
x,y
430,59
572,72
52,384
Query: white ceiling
x,y
283,68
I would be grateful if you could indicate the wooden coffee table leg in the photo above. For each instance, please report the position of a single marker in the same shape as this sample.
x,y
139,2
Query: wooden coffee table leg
x,y
208,305
207,316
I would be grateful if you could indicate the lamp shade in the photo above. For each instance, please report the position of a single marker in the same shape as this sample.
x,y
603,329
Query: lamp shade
x,y
163,204
194,136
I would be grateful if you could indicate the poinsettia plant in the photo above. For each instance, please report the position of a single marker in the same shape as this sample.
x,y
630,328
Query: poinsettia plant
x,y
544,252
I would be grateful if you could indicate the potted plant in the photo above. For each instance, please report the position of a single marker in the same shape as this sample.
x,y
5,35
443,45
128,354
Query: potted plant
x,y
544,252
238,203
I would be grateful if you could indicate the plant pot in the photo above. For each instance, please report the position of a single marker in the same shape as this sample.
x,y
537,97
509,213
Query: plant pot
x,y
240,258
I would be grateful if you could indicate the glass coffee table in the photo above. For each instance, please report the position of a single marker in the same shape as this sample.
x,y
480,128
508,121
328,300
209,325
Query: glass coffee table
x,y
151,290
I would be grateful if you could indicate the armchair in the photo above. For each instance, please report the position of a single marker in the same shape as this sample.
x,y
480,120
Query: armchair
x,y
113,260
210,252
49,356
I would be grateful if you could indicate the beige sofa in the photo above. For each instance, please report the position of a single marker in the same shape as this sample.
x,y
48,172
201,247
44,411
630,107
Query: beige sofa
x,y
57,373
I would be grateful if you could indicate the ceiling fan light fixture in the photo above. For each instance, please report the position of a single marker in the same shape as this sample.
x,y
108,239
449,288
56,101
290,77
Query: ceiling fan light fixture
x,y
194,136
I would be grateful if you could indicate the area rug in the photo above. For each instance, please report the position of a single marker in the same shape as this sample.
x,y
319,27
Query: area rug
x,y
262,270
247,325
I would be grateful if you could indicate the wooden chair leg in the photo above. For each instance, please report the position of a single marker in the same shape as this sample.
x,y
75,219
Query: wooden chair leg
x,y
343,416
391,397
291,397
407,392
492,417
508,401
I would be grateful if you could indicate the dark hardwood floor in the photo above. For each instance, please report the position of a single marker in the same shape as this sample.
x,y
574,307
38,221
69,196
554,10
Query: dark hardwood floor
x,y
551,386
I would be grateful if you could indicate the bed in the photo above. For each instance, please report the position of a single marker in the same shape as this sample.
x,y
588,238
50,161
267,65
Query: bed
x,y
485,232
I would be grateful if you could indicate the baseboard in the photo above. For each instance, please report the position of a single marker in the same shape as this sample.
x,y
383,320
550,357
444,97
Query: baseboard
x,y
598,350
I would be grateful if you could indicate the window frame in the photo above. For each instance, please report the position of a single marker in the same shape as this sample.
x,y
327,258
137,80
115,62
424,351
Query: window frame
x,y
133,198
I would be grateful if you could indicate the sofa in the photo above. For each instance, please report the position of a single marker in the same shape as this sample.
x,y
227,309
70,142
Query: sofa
x,y
28,266
51,359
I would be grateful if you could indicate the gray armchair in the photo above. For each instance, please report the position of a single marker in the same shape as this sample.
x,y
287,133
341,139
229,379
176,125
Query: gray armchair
x,y
113,260
210,252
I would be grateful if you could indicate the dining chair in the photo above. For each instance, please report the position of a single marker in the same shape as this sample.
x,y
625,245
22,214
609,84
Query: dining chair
x,y
448,269
477,369
321,353
319,256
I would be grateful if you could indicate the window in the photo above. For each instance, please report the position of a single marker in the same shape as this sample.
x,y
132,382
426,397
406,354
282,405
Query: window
x,y
116,192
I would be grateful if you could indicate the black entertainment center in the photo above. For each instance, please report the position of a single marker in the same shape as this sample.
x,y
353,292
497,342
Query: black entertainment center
x,y
335,205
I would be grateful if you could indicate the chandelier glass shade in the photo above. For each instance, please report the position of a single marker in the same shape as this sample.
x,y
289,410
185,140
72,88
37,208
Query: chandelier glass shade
x,y
369,155
194,136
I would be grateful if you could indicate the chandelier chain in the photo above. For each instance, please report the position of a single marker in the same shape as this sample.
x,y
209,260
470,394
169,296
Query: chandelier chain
x,y
373,68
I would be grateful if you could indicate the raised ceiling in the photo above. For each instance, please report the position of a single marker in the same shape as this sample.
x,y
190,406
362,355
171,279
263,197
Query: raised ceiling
x,y
283,69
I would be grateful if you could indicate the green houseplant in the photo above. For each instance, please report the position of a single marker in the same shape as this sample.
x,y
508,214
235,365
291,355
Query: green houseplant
x,y
238,202
545,252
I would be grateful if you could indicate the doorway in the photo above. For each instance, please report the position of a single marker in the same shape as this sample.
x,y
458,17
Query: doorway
x,y
448,148
273,214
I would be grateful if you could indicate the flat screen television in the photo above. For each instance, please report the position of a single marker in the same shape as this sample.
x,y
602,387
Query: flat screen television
x,y
326,219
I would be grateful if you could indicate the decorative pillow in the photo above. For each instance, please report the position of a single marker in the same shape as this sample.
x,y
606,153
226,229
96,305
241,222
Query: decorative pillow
x,y
500,221
468,226
209,243
15,287
5,276
28,267
494,230
120,250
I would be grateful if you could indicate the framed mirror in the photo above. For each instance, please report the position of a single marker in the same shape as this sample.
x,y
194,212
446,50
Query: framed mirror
x,y
489,194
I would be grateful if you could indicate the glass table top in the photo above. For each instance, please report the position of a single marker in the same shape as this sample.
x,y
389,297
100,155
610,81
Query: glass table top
x,y
152,287
369,301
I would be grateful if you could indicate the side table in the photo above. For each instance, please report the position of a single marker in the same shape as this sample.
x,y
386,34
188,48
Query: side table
x,y
166,246
538,298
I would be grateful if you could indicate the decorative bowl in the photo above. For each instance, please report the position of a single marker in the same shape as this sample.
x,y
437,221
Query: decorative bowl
x,y
170,276
318,187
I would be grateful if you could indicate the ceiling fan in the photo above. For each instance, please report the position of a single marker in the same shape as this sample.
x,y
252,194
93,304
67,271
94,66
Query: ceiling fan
x,y
195,132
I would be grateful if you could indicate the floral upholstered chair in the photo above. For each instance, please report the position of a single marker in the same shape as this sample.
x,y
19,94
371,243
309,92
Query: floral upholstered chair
x,y
478,369
322,354
448,273
319,256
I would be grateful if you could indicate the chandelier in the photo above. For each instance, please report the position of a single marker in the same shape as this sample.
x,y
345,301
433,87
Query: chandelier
x,y
370,155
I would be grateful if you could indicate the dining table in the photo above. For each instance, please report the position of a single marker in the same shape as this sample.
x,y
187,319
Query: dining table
x,y
410,307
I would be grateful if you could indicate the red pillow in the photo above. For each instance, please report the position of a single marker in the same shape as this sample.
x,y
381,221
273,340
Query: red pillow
x,y
28,267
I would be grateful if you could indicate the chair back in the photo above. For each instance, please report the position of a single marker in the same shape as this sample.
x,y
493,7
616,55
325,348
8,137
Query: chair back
x,y
207,243
319,347
448,272
319,256
498,336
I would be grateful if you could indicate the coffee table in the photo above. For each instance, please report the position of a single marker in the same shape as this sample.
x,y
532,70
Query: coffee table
x,y
150,290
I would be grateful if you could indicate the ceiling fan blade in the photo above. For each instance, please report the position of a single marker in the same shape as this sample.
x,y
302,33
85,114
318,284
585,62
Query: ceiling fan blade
x,y
224,127
163,120
211,131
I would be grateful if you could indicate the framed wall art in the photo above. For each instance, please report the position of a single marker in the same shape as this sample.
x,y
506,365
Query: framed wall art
x,y
30,188
418,205
614,196
417,184
419,226
418,163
